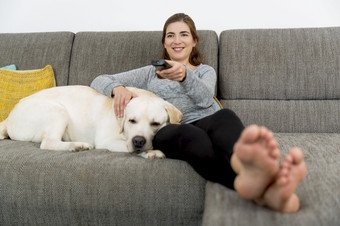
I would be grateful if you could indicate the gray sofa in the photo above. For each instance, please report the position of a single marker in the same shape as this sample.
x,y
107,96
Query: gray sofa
x,y
285,79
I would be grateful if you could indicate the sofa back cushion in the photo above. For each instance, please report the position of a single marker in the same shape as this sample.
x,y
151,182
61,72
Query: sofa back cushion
x,y
96,53
36,50
286,79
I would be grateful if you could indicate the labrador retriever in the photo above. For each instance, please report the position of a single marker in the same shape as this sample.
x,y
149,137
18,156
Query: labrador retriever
x,y
79,118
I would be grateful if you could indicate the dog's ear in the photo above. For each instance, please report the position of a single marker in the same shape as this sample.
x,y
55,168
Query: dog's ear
x,y
174,114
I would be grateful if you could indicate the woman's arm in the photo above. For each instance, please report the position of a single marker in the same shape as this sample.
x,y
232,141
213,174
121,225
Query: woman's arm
x,y
200,84
135,78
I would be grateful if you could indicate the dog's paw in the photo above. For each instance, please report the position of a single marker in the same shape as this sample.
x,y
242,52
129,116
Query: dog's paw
x,y
3,133
3,136
152,154
80,146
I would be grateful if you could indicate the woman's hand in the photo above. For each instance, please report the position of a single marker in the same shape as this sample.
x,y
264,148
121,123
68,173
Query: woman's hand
x,y
122,98
176,73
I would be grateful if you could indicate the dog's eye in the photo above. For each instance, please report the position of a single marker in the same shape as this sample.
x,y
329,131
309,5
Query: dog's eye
x,y
155,124
132,121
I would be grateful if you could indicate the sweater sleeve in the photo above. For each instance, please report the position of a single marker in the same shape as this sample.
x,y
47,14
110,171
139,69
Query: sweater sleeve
x,y
199,85
135,78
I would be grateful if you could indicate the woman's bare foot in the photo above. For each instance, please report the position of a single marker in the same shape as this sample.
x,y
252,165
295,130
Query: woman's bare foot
x,y
280,195
256,161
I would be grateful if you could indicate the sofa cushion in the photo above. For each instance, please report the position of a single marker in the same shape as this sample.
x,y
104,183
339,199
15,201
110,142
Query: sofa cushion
x,y
96,53
280,64
35,50
98,187
299,67
15,85
314,116
319,192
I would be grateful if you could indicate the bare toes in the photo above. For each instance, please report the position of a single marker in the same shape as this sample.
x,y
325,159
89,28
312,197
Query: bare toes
x,y
296,155
257,158
281,194
250,134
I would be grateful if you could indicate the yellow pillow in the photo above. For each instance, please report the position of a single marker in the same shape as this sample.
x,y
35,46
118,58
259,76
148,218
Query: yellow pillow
x,y
15,85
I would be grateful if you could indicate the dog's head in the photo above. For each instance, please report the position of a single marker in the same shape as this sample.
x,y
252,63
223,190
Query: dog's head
x,y
143,117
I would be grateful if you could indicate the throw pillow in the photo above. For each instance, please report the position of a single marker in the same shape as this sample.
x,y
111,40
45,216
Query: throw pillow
x,y
15,85
10,67
218,105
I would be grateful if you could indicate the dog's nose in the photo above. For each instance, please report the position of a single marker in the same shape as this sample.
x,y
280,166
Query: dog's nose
x,y
138,141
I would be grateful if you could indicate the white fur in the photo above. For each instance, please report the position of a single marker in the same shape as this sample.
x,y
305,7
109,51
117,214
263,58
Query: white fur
x,y
79,118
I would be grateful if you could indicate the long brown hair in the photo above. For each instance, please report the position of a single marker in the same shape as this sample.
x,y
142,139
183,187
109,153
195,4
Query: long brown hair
x,y
195,57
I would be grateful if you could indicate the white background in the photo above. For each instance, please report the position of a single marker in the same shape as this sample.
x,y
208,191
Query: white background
x,y
132,15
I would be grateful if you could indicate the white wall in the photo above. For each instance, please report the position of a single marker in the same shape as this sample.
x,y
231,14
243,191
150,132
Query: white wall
x,y
127,15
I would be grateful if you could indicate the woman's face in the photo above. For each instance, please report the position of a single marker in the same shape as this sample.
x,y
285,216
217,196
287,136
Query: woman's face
x,y
179,42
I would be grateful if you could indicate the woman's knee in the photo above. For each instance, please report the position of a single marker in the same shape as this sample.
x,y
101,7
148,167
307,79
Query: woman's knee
x,y
224,120
226,114
186,140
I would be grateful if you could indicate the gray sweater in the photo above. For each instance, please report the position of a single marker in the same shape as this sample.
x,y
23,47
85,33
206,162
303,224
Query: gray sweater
x,y
193,97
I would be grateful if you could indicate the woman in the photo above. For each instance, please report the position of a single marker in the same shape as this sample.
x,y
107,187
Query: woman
x,y
214,143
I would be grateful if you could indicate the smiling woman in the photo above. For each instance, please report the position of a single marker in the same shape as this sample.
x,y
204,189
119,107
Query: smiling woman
x,y
214,142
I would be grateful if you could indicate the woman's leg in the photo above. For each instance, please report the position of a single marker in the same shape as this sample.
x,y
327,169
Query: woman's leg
x,y
224,129
220,149
193,145
207,145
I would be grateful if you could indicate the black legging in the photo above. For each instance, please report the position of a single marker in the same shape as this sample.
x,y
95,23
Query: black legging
x,y
206,144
